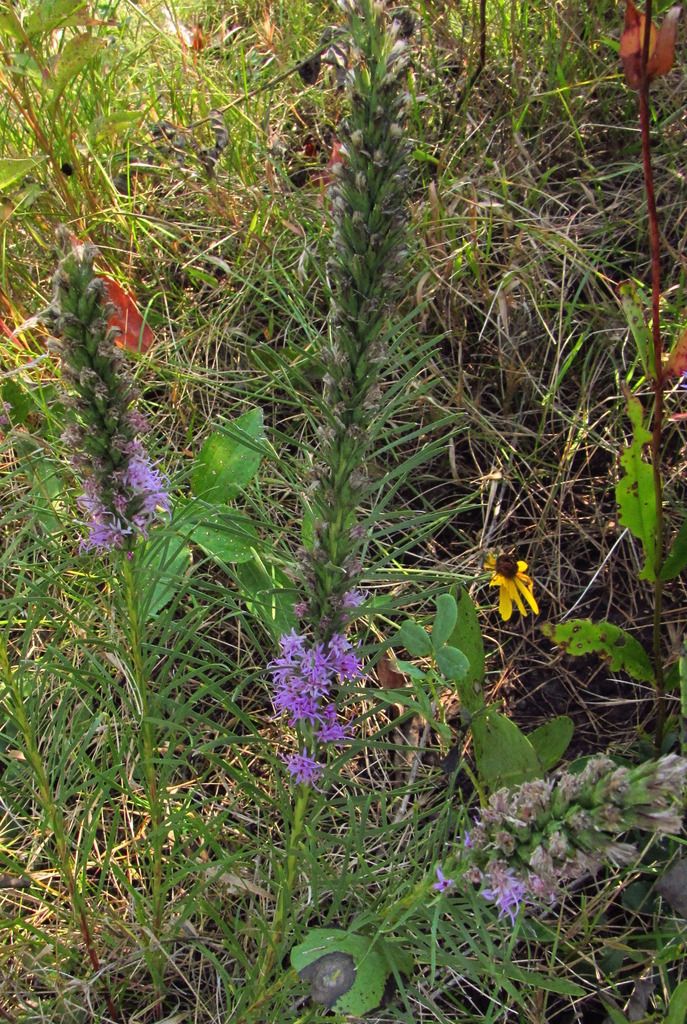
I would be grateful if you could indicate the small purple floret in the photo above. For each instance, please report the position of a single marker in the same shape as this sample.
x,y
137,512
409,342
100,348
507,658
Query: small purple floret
x,y
507,891
442,883
303,769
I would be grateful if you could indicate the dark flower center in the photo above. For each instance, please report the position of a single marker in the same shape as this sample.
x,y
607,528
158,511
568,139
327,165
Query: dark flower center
x,y
507,566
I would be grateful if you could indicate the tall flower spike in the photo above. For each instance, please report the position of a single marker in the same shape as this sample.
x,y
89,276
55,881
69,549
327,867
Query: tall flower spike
x,y
532,841
123,492
367,202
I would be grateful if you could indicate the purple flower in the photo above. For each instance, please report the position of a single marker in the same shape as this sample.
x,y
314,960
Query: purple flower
x,y
507,891
331,730
303,769
442,883
352,599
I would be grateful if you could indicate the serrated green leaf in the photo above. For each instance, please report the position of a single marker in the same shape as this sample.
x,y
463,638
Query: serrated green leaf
x,y
503,754
444,620
551,740
415,639
76,54
635,491
622,651
13,168
467,637
229,458
676,559
452,663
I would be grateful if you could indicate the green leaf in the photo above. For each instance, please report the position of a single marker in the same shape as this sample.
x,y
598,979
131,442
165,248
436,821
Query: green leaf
x,y
415,639
551,740
107,126
444,620
269,595
622,651
51,14
13,168
503,754
633,308
76,54
229,459
11,25
467,637
20,401
677,1008
373,962
635,491
452,663
160,565
225,536
676,559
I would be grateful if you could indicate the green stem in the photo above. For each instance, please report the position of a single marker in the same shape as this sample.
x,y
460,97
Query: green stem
x,y
148,744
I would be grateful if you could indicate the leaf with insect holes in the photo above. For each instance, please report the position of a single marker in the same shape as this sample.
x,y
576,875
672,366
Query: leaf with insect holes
x,y
633,308
622,651
74,57
677,360
661,45
635,491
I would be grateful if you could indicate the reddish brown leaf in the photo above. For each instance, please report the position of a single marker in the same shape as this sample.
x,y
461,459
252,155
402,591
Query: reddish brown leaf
x,y
677,360
134,333
389,677
663,56
661,45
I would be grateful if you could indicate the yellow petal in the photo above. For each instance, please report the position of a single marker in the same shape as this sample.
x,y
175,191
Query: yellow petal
x,y
522,566
505,604
528,595
515,594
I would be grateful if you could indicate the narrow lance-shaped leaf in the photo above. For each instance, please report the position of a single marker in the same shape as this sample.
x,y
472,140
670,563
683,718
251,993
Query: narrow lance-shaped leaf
x,y
635,491
633,309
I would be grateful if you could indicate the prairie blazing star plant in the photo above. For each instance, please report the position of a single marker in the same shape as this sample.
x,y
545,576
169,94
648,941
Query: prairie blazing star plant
x,y
123,492
531,843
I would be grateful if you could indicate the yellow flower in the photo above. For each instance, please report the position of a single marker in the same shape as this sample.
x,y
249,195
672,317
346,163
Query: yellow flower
x,y
513,583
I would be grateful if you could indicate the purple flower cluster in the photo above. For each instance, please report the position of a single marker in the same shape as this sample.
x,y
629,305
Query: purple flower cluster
x,y
306,676
125,504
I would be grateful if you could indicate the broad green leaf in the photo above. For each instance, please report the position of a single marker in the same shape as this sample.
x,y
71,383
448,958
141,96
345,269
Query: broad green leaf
x,y
76,54
635,492
107,126
677,1008
415,639
372,963
225,536
467,637
551,740
13,168
633,308
622,651
444,620
676,559
20,401
10,25
452,663
269,594
160,566
51,14
229,459
503,754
